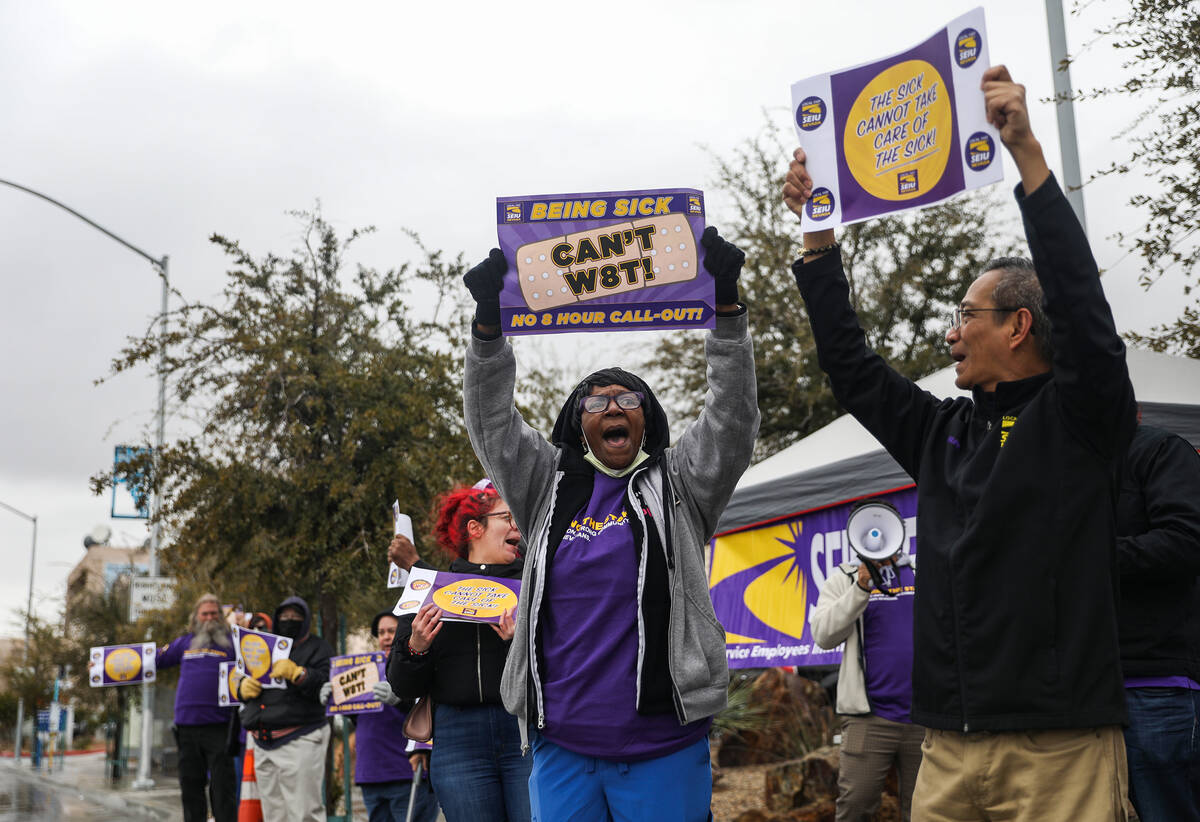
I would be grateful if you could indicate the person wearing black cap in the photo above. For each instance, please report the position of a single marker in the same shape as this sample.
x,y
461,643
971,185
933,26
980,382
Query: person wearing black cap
x,y
618,661
288,724
383,763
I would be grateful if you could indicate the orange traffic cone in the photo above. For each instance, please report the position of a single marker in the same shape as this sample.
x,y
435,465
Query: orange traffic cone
x,y
250,808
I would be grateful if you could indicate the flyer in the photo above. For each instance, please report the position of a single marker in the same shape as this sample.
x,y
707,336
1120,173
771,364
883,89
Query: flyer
x,y
605,261
353,676
401,524
462,597
121,664
257,651
903,132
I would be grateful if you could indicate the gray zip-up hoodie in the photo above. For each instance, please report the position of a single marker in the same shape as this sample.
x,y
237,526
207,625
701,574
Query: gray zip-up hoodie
x,y
701,470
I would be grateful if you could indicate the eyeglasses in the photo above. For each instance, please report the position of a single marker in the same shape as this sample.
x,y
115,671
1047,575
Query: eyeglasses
x,y
598,403
961,315
506,514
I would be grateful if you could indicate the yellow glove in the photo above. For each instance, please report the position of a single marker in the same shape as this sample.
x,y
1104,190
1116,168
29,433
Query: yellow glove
x,y
286,669
249,688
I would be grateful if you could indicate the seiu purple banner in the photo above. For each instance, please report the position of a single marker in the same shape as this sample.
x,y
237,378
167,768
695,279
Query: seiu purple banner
x,y
764,583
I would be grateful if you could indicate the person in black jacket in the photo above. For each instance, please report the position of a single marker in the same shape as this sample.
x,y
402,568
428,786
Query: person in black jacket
x,y
288,724
1015,628
477,770
1158,554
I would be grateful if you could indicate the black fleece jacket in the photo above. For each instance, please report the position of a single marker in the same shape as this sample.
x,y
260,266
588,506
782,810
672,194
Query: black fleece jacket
x,y
464,663
293,705
1158,553
1015,623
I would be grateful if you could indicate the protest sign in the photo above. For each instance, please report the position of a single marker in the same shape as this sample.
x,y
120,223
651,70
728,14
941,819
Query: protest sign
x,y
462,597
257,651
121,664
353,676
613,260
401,524
903,132
227,679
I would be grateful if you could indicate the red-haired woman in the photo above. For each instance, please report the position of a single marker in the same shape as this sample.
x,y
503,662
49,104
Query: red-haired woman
x,y
477,769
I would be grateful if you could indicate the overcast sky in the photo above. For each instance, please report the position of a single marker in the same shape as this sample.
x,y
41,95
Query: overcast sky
x,y
166,123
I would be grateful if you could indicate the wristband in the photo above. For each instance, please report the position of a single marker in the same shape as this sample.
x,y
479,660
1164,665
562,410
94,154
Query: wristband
x,y
411,652
812,252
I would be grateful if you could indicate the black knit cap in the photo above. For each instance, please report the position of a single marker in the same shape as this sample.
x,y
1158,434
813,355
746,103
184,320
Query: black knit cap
x,y
568,428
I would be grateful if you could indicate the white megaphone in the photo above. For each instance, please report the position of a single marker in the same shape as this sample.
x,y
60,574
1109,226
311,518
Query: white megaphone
x,y
876,532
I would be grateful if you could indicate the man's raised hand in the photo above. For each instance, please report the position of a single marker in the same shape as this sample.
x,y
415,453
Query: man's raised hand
x,y
1009,114
797,186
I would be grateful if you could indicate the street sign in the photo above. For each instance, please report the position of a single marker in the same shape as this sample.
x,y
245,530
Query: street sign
x,y
150,594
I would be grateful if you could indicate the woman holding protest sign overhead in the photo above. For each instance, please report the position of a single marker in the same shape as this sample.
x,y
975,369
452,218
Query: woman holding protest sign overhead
x,y
618,664
477,769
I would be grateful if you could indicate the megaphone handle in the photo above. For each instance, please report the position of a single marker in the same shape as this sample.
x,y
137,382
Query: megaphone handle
x,y
877,578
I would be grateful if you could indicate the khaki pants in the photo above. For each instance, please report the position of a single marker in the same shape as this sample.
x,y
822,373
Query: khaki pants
x,y
1022,776
870,746
290,778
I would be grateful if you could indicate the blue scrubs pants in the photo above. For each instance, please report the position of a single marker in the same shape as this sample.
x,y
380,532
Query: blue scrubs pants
x,y
672,788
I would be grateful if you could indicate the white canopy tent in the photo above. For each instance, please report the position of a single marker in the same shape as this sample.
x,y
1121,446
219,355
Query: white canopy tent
x,y
841,461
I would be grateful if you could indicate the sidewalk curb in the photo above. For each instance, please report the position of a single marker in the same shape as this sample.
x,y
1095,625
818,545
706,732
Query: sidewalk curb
x,y
109,799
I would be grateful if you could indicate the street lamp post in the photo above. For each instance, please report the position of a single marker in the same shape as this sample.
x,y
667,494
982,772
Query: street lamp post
x,y
143,778
1064,108
28,608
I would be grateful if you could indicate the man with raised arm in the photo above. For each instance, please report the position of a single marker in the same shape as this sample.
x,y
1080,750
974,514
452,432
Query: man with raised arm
x,y
1016,669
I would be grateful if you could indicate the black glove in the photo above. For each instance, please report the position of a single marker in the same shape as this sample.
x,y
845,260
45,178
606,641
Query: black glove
x,y
484,281
724,262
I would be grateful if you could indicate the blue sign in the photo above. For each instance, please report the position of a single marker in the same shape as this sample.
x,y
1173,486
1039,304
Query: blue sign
x,y
130,497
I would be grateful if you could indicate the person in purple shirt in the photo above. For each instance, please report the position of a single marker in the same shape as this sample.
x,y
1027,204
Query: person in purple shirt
x,y
874,691
618,661
1158,621
201,725
383,764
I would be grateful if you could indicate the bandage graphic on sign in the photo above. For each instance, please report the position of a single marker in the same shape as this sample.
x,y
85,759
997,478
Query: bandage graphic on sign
x,y
616,259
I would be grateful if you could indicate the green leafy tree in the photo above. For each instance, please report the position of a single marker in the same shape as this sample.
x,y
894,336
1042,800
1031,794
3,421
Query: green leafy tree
x,y
1160,40
318,395
906,273
31,676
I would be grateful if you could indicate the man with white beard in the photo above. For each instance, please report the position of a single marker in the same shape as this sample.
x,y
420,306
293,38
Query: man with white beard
x,y
201,725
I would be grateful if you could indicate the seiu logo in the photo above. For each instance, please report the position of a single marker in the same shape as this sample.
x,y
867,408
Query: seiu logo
x,y
906,182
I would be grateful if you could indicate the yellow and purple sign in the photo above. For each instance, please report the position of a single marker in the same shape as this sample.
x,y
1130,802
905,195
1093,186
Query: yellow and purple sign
x,y
606,261
903,132
765,580
121,664
227,679
354,677
461,597
257,652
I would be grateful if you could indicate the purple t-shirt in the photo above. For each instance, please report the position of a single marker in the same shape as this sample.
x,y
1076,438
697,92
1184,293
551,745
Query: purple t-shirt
x,y
590,640
196,697
379,747
887,645
1184,682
